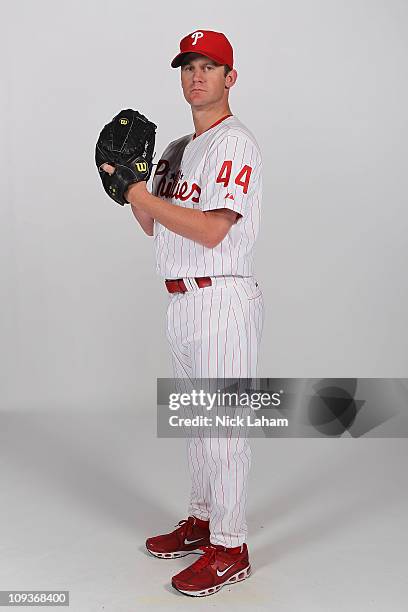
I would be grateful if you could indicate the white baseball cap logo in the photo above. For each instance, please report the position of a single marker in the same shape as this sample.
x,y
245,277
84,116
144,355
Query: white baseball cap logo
x,y
196,36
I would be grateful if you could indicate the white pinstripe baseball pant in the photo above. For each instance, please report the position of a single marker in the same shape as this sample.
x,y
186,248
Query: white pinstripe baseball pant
x,y
215,332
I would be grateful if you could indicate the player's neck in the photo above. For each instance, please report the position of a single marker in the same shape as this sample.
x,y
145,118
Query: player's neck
x,y
204,118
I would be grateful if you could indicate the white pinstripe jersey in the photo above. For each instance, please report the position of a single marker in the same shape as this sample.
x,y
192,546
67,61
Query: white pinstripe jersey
x,y
221,168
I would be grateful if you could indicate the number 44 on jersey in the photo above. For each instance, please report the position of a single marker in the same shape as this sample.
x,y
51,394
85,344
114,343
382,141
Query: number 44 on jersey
x,y
242,178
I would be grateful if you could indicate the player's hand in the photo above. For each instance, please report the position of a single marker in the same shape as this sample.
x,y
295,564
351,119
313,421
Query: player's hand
x,y
134,190
108,168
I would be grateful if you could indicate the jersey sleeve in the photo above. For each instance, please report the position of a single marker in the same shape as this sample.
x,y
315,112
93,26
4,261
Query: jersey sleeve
x,y
232,174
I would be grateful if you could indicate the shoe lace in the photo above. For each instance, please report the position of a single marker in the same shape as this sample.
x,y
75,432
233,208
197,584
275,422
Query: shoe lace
x,y
206,559
184,527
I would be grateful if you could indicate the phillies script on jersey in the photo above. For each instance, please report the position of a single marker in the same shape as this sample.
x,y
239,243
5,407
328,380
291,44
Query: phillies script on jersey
x,y
221,168
172,186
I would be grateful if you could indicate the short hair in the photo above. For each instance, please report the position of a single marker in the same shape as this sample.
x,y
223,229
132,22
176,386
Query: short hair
x,y
227,69
187,57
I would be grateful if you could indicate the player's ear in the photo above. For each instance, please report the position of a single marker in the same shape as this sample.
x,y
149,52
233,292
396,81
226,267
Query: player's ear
x,y
231,78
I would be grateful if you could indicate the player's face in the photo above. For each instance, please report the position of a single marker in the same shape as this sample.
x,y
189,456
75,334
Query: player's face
x,y
203,82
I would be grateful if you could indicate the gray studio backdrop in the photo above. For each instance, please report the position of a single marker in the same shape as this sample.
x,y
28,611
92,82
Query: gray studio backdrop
x,y
322,85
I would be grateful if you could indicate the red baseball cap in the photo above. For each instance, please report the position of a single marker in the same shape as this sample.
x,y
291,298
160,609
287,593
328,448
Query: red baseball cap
x,y
214,45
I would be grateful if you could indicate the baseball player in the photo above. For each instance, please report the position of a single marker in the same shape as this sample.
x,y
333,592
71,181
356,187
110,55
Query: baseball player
x,y
204,214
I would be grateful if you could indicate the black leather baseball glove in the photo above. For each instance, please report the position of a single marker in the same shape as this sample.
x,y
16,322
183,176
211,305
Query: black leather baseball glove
x,y
127,143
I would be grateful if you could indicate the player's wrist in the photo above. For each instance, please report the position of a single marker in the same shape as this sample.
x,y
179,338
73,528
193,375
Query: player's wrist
x,y
135,193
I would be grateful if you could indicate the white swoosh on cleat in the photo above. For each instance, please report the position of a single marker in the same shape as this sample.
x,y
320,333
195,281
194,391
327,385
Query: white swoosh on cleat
x,y
192,541
226,570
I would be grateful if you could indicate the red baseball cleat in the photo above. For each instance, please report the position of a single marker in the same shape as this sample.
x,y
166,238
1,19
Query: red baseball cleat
x,y
186,539
216,568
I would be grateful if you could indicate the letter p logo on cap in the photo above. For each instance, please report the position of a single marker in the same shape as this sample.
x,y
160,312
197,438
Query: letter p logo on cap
x,y
196,36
